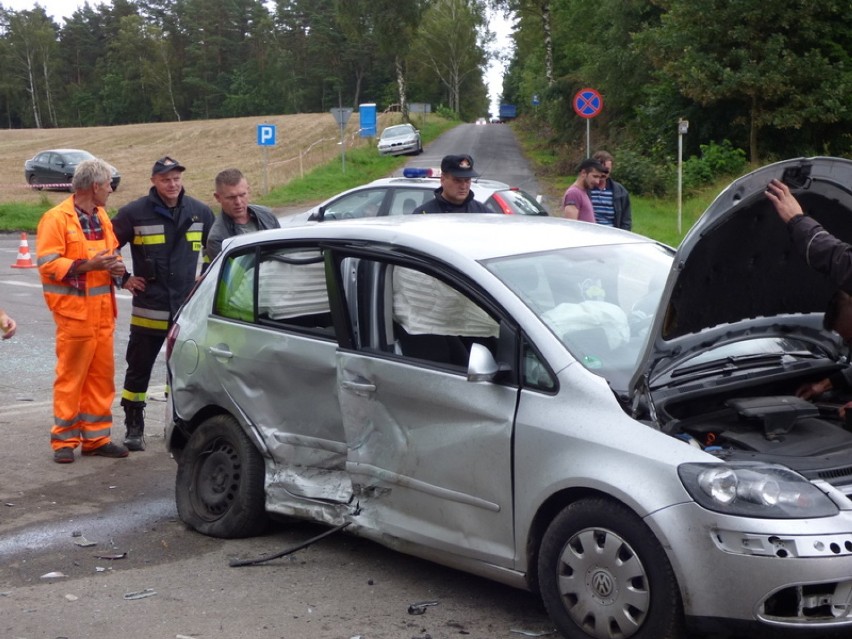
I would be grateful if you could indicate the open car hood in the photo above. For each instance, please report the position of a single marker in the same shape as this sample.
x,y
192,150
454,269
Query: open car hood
x,y
736,274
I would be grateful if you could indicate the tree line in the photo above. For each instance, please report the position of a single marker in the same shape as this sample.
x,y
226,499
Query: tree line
x,y
773,79
125,62
773,83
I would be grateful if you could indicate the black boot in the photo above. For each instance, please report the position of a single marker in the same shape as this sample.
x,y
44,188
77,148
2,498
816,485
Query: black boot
x,y
134,420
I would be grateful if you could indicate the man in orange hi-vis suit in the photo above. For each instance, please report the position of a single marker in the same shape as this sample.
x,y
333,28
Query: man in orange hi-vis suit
x,y
80,266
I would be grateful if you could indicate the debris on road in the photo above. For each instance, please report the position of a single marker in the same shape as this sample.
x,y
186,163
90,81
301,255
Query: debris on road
x,y
84,543
420,607
533,633
53,575
141,594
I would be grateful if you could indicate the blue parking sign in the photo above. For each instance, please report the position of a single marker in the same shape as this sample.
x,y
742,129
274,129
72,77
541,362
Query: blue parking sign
x,y
266,134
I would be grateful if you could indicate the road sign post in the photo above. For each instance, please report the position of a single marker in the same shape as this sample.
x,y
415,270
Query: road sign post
x,y
682,128
266,134
341,116
587,104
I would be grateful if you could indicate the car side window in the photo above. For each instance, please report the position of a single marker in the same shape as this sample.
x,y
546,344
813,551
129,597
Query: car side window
x,y
364,203
404,201
280,287
536,374
235,290
415,315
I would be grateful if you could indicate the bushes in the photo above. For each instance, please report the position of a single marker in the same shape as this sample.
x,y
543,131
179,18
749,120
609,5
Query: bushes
x,y
716,161
644,177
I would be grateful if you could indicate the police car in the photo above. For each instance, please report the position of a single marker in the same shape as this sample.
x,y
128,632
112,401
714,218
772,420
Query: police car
x,y
402,195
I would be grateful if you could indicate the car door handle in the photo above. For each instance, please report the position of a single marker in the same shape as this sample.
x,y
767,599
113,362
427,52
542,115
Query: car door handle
x,y
221,352
362,388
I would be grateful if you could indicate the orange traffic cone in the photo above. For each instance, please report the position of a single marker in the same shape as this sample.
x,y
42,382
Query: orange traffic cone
x,y
24,259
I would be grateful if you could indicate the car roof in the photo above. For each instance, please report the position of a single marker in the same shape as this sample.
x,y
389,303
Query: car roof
x,y
478,236
426,182
64,151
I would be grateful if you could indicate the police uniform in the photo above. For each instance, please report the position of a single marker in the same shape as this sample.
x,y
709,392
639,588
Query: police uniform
x,y
458,166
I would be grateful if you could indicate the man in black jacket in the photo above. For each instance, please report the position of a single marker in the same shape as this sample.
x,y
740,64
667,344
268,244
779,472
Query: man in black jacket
x,y
166,231
454,194
237,216
610,199
830,256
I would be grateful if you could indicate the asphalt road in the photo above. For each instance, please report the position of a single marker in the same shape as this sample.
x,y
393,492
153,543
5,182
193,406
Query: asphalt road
x,y
495,152
95,549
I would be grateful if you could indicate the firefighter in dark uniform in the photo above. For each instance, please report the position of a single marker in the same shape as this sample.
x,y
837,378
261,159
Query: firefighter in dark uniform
x,y
166,231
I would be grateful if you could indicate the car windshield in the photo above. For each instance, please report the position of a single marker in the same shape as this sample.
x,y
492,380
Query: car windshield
x,y
600,301
396,132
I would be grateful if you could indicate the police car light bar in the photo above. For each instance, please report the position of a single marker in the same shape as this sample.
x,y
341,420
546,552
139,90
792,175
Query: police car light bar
x,y
421,173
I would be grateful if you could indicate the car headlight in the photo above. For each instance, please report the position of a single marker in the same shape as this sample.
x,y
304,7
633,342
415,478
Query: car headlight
x,y
755,490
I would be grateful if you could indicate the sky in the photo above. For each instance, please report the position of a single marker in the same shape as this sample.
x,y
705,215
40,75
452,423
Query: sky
x,y
58,9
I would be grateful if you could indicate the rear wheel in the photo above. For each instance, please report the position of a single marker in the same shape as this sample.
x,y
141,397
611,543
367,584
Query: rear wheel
x,y
31,180
219,487
603,574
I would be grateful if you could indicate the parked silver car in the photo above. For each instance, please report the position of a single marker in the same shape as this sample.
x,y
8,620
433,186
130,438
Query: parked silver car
x,y
400,139
555,405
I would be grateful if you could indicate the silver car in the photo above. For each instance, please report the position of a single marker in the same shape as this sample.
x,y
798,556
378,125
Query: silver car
x,y
555,405
400,139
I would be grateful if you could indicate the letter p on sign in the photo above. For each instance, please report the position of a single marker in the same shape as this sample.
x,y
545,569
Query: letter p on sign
x,y
266,134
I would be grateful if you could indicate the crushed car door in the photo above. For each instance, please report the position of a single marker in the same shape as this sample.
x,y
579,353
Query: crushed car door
x,y
273,346
429,452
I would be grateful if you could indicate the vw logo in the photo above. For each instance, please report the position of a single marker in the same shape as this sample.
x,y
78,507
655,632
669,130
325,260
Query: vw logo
x,y
602,585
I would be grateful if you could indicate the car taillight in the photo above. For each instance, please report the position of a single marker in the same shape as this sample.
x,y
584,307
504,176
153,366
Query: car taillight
x,y
171,338
505,208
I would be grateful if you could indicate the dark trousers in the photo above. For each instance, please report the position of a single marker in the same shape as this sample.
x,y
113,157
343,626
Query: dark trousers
x,y
142,351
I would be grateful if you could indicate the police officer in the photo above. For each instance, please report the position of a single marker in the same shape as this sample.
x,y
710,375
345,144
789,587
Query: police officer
x,y
166,231
454,194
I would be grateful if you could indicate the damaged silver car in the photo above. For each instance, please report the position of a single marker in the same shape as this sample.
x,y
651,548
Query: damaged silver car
x,y
562,407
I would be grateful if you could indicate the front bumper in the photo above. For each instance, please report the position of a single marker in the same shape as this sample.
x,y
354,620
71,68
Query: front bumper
x,y
775,573
398,149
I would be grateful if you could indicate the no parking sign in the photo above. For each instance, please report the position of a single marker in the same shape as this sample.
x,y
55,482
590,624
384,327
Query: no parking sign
x,y
588,103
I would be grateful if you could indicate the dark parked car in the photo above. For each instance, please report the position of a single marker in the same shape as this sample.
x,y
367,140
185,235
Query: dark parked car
x,y
401,195
559,406
53,169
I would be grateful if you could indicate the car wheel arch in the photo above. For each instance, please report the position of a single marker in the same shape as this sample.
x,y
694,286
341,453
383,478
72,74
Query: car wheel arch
x,y
219,489
565,517
549,510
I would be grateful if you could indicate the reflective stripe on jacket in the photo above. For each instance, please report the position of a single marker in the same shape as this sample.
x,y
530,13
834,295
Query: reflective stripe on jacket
x,y
59,243
165,246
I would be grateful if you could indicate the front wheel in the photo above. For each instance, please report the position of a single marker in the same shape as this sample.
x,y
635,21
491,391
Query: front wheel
x,y
603,574
219,486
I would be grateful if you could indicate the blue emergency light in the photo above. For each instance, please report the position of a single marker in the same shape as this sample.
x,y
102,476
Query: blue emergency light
x,y
420,173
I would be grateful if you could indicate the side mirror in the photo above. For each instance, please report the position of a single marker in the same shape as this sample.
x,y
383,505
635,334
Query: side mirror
x,y
481,366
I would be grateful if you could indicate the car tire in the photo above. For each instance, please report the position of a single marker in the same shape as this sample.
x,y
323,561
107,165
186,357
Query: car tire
x,y
31,180
602,573
219,486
